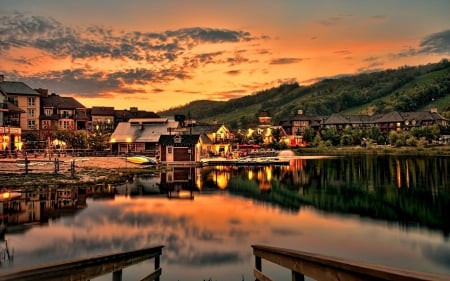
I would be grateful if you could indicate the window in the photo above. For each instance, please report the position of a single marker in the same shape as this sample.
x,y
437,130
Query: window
x,y
48,112
46,124
31,101
31,124
169,149
31,112
13,100
64,124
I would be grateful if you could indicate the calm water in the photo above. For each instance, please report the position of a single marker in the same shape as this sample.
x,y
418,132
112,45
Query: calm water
x,y
387,210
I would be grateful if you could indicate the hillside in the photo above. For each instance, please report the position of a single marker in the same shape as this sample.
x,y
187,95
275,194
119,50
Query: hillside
x,y
409,88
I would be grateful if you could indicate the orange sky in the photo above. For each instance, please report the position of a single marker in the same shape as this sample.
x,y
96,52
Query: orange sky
x,y
160,54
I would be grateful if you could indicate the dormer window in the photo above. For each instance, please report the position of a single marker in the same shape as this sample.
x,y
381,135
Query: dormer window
x,y
177,139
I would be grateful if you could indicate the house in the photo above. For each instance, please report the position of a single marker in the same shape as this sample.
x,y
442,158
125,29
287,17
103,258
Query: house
x,y
386,122
141,135
179,149
215,139
25,98
102,118
61,113
10,131
133,113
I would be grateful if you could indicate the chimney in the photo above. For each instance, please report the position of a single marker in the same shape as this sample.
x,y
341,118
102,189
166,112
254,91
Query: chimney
x,y
43,92
433,110
300,112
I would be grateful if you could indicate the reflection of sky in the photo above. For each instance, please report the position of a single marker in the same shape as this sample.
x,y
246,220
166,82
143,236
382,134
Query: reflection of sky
x,y
211,236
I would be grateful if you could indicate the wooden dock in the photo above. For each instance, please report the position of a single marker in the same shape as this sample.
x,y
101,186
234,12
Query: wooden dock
x,y
86,269
300,264
327,268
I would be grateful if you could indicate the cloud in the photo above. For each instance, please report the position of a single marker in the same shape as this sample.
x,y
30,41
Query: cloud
x,y
48,35
331,21
436,43
85,82
286,60
233,72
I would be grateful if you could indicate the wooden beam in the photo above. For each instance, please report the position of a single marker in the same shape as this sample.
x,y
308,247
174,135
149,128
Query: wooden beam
x,y
84,269
322,267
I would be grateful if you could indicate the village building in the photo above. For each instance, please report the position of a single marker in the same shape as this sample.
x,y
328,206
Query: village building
x,y
10,131
141,135
179,148
25,98
102,118
61,114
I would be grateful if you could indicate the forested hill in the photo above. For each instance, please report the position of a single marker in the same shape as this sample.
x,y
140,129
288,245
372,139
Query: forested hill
x,y
408,88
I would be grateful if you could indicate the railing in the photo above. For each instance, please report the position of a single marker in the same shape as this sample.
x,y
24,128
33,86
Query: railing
x,y
85,269
321,267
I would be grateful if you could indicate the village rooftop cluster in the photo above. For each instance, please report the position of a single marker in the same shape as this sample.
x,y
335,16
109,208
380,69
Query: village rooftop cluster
x,y
33,119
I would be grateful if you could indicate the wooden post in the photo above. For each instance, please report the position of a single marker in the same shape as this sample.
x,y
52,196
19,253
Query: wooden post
x,y
117,275
26,164
258,264
56,165
297,276
72,168
157,265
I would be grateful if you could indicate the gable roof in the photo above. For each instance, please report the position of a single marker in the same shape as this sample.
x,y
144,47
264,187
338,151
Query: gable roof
x,y
55,100
390,117
336,119
142,132
186,140
103,110
17,88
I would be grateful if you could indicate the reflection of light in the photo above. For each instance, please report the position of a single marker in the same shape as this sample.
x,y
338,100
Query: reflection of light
x,y
399,175
221,180
268,173
250,175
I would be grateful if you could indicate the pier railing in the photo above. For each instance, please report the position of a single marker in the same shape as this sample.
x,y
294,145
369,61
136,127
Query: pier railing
x,y
320,267
86,269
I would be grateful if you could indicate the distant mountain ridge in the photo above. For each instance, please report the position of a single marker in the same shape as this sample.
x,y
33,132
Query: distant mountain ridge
x,y
408,88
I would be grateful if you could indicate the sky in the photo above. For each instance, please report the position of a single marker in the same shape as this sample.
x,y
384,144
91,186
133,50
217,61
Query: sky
x,y
160,54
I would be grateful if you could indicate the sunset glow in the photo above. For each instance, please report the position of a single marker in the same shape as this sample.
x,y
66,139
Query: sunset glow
x,y
161,54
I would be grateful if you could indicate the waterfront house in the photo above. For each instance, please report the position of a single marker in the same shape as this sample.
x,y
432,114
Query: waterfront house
x,y
61,113
22,96
10,131
215,139
141,135
102,118
179,149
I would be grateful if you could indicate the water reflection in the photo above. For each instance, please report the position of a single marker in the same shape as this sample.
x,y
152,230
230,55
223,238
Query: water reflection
x,y
373,209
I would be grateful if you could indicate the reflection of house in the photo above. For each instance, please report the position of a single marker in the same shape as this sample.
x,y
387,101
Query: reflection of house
x,y
61,113
181,149
140,135
179,178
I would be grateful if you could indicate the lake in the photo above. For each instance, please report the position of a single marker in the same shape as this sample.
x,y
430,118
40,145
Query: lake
x,y
391,210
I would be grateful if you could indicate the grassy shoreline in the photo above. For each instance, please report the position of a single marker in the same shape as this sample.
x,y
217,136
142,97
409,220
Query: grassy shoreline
x,y
376,150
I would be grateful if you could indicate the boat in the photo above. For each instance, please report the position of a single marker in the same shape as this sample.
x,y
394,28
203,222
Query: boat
x,y
245,161
142,160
